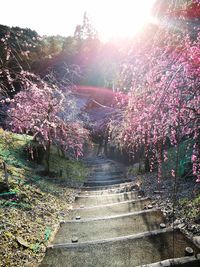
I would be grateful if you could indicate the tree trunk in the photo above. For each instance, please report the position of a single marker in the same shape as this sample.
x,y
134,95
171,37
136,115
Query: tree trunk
x,y
4,187
48,150
146,164
100,147
106,146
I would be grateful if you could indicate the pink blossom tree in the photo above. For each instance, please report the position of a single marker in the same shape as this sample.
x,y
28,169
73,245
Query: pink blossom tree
x,y
37,111
17,47
164,95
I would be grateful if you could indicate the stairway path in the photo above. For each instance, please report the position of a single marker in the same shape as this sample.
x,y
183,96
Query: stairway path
x,y
112,224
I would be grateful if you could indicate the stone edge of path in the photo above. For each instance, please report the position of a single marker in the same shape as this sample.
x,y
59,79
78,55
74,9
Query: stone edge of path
x,y
174,262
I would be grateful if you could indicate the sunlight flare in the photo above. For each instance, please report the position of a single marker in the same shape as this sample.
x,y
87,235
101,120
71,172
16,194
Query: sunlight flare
x,y
114,19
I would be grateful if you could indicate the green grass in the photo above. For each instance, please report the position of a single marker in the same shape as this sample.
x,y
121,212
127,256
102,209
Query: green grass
x,y
136,169
13,150
71,169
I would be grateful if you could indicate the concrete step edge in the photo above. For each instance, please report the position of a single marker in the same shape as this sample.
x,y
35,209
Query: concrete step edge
x,y
174,262
105,182
107,187
110,240
130,214
105,179
112,204
105,195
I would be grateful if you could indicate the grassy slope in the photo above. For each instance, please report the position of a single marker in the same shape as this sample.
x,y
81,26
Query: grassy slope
x,y
30,213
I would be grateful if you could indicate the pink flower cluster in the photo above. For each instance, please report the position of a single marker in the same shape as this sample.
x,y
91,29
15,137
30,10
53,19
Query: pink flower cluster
x,y
164,97
36,111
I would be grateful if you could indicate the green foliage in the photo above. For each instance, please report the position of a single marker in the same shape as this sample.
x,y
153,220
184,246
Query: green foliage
x,y
184,159
137,168
69,46
196,201
12,148
190,207
86,30
47,234
66,169
24,206
12,151
97,64
52,45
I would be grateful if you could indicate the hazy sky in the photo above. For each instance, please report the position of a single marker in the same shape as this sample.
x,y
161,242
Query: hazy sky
x,y
111,18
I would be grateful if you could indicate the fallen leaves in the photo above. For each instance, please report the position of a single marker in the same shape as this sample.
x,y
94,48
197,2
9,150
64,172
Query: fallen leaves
x,y
25,232
22,242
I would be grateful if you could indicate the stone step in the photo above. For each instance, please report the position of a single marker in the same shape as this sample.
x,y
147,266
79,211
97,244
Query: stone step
x,y
108,191
109,209
110,169
109,227
105,174
95,183
105,166
105,178
121,186
104,193
102,173
96,200
99,160
140,249
102,163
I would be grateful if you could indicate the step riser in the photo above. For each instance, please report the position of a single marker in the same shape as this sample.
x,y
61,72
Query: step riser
x,y
110,168
108,210
112,171
104,183
125,253
110,227
102,173
106,199
108,187
107,191
98,174
105,178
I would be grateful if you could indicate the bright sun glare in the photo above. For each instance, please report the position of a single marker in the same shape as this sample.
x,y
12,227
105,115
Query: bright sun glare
x,y
111,18
115,19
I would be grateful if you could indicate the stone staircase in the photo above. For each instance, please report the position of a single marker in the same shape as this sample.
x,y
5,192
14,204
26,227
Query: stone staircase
x,y
112,224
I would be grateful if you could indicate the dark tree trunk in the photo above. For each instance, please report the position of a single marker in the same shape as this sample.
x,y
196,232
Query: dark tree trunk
x,y
100,146
106,147
48,150
146,164
4,187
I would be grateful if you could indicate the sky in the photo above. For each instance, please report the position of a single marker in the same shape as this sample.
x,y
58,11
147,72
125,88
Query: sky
x,y
111,18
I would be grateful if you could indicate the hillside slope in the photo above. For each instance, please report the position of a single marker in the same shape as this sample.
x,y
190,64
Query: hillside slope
x,y
32,208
